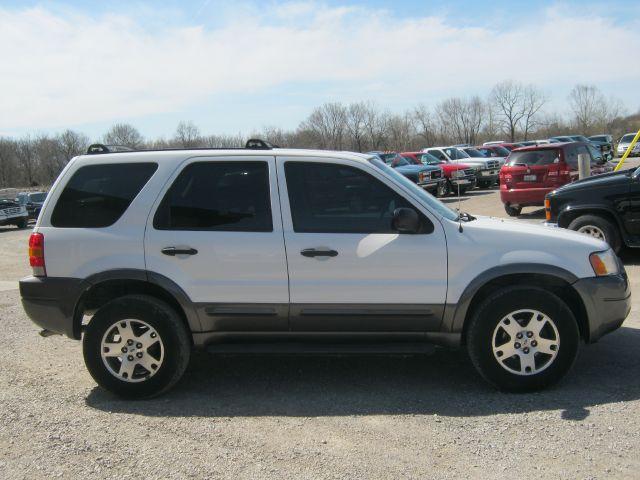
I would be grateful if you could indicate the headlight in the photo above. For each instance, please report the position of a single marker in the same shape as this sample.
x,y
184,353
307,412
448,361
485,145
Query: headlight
x,y
604,263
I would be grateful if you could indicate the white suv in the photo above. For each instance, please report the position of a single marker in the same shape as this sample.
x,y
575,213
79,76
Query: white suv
x,y
488,169
146,255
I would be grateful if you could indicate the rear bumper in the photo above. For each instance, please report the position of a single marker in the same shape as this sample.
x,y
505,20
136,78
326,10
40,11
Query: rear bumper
x,y
50,303
607,301
524,197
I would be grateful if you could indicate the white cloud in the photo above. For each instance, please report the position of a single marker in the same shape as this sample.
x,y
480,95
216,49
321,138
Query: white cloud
x,y
63,68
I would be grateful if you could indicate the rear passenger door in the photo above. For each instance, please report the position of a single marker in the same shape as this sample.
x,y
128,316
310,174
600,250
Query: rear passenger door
x,y
216,232
348,269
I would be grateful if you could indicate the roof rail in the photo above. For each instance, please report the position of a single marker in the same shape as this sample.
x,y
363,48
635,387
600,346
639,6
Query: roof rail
x,y
97,148
259,144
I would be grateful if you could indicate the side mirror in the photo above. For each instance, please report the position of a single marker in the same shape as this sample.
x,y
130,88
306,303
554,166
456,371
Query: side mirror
x,y
405,220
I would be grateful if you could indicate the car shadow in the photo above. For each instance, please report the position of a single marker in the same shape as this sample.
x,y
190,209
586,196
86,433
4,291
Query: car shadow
x,y
535,214
442,383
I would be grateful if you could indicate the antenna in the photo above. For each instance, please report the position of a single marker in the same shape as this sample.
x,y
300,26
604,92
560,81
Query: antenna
x,y
459,201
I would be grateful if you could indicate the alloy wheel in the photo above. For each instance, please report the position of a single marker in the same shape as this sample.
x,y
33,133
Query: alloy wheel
x,y
525,342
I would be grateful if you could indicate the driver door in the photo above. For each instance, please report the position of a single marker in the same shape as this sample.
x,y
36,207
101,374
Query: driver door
x,y
348,269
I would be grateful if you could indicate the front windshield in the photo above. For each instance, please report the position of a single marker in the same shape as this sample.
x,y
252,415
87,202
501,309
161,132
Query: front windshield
x,y
598,139
501,151
436,205
456,153
627,138
428,159
472,152
399,162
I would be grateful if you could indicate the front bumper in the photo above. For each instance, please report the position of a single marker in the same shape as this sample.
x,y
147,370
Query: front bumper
x,y
431,184
50,303
607,301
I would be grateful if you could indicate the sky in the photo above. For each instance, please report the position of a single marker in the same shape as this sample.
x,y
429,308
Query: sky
x,y
239,66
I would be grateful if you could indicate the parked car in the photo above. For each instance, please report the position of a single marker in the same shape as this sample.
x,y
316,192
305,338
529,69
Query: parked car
x,y
605,206
429,177
32,201
561,139
494,151
487,169
237,250
624,143
605,142
532,172
460,177
12,213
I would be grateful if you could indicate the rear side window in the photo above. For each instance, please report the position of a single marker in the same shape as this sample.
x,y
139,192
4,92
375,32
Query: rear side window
x,y
218,196
96,196
534,157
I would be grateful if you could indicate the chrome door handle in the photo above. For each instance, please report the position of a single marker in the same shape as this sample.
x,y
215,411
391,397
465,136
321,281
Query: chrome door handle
x,y
312,252
173,251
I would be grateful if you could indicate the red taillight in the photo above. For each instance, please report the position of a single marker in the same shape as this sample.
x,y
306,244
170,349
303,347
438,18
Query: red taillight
x,y
36,254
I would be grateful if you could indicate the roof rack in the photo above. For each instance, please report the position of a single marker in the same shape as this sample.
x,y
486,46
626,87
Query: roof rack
x,y
259,144
252,144
101,148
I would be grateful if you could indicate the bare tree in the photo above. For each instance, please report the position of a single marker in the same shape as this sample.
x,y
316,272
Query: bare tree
x,y
425,125
355,123
507,100
533,99
328,124
8,168
26,159
461,119
124,134
187,135
587,103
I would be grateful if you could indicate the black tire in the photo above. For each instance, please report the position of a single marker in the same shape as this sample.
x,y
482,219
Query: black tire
x,y
22,224
493,310
485,184
511,210
463,190
169,327
610,231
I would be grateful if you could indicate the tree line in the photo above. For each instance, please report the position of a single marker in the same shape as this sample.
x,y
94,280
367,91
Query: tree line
x,y
512,111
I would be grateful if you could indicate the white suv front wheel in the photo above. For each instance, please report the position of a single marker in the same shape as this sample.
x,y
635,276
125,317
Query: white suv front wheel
x,y
136,346
522,338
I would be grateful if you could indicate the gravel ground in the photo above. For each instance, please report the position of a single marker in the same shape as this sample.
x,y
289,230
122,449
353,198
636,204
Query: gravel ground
x,y
422,416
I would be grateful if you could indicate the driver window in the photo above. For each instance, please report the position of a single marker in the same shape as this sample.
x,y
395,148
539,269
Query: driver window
x,y
332,198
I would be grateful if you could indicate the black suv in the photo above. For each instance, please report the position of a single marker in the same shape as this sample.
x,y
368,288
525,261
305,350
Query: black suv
x,y
604,206
33,201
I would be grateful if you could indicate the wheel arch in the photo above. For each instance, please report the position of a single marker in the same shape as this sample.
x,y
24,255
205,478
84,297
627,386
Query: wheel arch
x,y
103,287
554,279
568,215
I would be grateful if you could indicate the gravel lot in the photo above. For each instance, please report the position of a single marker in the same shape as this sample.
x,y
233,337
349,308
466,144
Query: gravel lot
x,y
422,416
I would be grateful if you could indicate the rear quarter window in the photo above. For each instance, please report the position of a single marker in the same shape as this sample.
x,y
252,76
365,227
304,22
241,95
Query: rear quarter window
x,y
534,157
97,196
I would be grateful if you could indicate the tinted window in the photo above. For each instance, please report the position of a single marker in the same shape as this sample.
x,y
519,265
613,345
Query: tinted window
x,y
627,138
472,152
37,197
218,196
97,195
535,157
326,198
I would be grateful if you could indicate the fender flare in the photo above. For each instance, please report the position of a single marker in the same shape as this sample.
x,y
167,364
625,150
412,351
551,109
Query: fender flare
x,y
156,279
455,314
